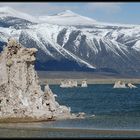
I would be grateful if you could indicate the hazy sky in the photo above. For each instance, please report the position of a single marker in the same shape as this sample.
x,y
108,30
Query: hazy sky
x,y
126,12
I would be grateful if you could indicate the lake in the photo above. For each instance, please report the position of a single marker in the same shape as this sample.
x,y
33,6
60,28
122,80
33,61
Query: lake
x,y
109,113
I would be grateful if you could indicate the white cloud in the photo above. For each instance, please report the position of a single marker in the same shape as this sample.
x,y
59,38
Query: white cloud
x,y
36,8
45,8
31,8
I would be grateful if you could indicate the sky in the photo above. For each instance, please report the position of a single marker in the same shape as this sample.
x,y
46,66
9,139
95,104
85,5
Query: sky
x,y
111,12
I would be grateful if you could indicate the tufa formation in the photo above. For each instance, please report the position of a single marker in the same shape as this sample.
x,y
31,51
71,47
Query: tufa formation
x,y
21,97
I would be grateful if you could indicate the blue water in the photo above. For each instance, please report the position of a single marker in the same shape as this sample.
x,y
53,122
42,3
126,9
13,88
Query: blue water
x,y
113,108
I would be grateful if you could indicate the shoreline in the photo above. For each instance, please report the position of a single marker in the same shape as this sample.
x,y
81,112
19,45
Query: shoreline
x,y
89,81
67,132
55,77
74,129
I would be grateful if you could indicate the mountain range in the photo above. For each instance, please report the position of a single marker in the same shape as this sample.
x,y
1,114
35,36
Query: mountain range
x,y
67,41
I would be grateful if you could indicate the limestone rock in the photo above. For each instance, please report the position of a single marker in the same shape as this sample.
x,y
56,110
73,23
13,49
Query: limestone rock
x,y
81,114
131,85
20,93
119,84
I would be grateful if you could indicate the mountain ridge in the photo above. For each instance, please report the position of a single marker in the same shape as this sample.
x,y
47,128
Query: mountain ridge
x,y
89,47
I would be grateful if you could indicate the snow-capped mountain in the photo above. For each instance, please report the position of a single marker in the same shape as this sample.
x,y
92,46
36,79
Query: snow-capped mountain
x,y
68,41
67,17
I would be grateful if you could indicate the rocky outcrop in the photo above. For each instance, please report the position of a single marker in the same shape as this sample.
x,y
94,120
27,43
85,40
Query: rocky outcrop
x,y
68,83
21,97
119,84
131,85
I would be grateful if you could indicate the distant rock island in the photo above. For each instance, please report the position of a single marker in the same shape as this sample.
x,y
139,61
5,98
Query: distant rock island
x,y
21,97
121,84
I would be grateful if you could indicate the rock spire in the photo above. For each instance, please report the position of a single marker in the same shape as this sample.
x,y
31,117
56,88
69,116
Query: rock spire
x,y
21,97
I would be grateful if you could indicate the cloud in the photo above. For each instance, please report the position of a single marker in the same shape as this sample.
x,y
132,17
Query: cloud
x,y
46,8
36,8
108,7
30,8
59,8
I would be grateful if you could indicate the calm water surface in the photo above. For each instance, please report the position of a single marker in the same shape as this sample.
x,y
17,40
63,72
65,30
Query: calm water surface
x,y
114,109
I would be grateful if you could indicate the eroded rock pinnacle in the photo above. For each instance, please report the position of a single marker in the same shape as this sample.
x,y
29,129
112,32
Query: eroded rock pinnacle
x,y
21,97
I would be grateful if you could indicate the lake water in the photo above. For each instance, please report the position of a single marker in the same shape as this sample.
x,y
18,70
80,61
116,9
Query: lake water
x,y
114,110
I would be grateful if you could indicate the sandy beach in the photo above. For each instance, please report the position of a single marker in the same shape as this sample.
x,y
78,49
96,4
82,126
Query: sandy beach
x,y
89,81
92,78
